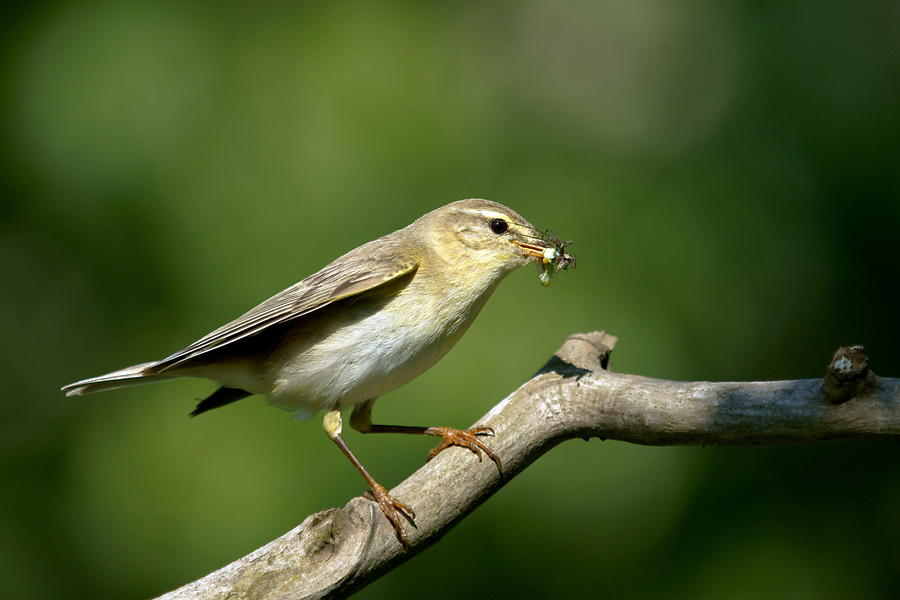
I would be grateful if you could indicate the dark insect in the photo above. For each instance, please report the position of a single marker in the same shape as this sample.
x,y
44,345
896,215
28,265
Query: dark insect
x,y
564,258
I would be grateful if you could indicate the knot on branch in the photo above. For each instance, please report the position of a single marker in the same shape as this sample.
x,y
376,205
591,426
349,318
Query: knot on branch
x,y
848,375
581,354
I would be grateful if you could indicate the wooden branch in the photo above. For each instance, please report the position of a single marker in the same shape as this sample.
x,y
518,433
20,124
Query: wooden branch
x,y
337,551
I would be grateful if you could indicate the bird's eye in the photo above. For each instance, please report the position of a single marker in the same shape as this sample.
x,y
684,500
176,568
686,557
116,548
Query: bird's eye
x,y
499,226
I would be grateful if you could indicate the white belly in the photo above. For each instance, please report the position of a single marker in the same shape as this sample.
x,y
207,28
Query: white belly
x,y
361,361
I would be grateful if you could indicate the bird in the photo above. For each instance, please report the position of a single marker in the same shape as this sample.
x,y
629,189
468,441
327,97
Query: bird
x,y
364,325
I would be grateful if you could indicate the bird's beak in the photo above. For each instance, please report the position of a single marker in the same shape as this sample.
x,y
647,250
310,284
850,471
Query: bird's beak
x,y
533,249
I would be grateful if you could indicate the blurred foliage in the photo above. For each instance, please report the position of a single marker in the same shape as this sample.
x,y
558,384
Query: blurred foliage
x,y
730,173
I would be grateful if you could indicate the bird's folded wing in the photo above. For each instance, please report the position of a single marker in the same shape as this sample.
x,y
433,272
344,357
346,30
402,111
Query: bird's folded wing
x,y
341,279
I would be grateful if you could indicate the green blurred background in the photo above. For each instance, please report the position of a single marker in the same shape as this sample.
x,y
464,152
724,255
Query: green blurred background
x,y
730,173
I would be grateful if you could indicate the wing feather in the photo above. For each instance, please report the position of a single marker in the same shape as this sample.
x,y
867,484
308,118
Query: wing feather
x,y
341,279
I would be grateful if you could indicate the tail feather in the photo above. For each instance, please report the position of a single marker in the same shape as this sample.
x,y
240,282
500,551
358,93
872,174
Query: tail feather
x,y
134,375
221,397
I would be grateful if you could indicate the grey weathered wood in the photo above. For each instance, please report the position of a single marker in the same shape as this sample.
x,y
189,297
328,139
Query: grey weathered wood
x,y
337,551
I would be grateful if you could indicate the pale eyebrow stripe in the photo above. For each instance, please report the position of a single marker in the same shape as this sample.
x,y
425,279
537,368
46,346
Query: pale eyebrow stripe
x,y
492,213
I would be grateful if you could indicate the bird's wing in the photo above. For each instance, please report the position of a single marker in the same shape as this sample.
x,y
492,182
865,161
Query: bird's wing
x,y
341,279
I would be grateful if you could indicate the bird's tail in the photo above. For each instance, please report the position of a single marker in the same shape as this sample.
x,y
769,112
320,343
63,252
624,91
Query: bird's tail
x,y
134,375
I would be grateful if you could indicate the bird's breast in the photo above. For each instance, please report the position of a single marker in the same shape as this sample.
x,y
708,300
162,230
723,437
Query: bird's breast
x,y
367,349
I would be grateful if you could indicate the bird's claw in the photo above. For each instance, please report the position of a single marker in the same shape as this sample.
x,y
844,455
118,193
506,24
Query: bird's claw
x,y
464,438
392,509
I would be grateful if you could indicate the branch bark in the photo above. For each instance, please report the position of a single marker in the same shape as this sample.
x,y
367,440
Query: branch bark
x,y
339,550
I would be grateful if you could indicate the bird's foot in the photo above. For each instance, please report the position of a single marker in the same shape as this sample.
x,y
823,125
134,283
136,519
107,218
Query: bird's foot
x,y
466,439
393,510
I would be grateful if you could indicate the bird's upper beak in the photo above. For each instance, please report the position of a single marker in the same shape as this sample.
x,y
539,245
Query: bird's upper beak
x,y
533,248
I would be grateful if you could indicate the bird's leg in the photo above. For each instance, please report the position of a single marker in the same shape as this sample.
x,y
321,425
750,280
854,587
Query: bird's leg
x,y
361,420
391,508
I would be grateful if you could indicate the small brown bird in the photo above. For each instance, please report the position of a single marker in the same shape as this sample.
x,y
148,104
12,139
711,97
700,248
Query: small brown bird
x,y
366,324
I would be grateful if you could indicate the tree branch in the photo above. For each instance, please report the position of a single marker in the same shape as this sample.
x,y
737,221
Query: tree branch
x,y
337,551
